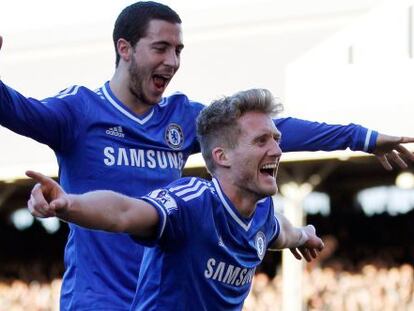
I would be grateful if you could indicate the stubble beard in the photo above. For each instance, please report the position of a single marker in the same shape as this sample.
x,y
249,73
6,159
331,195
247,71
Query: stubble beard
x,y
136,84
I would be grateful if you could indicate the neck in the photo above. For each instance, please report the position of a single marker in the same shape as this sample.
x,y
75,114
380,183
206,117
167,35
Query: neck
x,y
244,201
120,87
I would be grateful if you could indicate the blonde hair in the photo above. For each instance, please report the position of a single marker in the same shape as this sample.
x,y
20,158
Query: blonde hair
x,y
217,123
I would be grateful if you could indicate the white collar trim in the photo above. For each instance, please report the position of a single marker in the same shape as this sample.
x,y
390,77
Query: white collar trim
x,y
125,112
229,209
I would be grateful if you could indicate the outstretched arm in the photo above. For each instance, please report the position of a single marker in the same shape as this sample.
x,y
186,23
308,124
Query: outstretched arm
x,y
101,210
303,135
302,242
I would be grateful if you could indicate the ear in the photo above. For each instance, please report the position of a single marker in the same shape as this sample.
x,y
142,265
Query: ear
x,y
124,49
221,157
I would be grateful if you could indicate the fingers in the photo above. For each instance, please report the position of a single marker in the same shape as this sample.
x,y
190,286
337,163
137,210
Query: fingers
x,y
311,248
32,209
50,188
405,152
406,140
390,150
59,205
37,197
395,158
303,252
310,229
313,253
37,204
1,42
307,253
39,177
295,253
384,162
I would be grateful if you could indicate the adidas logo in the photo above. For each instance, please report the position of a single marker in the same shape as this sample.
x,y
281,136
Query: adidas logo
x,y
115,131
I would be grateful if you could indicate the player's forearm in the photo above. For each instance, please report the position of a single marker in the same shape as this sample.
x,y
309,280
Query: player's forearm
x,y
303,135
101,210
290,236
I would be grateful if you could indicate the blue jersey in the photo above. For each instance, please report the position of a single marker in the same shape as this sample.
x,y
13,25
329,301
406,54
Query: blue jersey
x,y
206,253
101,144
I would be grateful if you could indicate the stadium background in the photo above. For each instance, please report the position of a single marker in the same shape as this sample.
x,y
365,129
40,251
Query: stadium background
x,y
335,61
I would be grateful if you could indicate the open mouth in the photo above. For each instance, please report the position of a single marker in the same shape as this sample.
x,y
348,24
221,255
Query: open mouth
x,y
160,81
269,169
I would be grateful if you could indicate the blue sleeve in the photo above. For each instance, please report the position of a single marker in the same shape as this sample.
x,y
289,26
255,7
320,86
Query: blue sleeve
x,y
54,121
302,135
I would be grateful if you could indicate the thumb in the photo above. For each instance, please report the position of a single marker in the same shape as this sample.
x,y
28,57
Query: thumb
x,y
310,229
60,205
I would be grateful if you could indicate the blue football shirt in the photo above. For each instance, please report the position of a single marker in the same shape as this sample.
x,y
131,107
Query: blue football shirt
x,y
206,253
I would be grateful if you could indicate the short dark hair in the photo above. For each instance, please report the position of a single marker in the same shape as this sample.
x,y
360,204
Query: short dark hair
x,y
217,124
132,23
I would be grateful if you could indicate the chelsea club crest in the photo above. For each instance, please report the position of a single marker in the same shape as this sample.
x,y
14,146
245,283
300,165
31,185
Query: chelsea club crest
x,y
260,242
174,136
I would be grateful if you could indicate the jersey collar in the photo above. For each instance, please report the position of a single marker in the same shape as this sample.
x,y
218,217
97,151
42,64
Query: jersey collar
x,y
231,210
107,92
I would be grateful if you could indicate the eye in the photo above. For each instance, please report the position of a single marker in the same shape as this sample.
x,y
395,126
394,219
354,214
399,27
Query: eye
x,y
159,49
178,51
277,138
261,140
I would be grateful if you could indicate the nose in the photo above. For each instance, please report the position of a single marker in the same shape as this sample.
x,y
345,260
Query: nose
x,y
275,149
172,59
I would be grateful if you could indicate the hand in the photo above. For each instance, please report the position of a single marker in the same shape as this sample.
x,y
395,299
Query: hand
x,y
311,246
47,198
390,149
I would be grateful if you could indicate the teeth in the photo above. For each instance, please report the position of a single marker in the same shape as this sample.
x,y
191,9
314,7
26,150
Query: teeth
x,y
164,76
269,166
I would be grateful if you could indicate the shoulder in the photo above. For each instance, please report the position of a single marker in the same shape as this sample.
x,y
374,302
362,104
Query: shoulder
x,y
74,90
189,188
74,93
181,195
77,97
179,100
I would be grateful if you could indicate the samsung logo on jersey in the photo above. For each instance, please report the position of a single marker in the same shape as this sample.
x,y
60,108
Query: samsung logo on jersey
x,y
228,274
143,158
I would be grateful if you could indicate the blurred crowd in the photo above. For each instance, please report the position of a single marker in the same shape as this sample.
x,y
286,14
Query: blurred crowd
x,y
33,286
334,287
17,295
372,288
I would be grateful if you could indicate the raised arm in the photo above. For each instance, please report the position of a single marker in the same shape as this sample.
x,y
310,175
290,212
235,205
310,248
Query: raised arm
x,y
56,121
302,242
101,210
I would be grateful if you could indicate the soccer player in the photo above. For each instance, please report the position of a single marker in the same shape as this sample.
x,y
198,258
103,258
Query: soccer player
x,y
125,137
207,237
